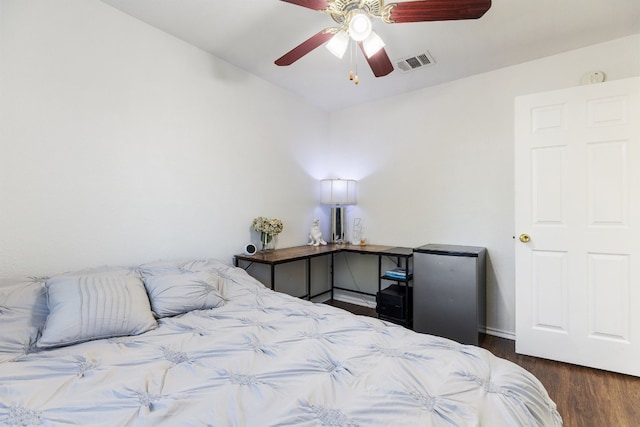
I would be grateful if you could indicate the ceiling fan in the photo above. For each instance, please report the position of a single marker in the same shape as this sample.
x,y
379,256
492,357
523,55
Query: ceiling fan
x,y
354,23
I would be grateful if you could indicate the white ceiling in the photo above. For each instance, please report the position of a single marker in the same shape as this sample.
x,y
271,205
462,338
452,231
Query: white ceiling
x,y
251,34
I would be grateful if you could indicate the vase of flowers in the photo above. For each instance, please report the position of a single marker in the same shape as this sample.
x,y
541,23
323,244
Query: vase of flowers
x,y
269,228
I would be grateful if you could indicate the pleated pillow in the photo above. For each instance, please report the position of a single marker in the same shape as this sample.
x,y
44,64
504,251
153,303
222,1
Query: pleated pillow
x,y
83,308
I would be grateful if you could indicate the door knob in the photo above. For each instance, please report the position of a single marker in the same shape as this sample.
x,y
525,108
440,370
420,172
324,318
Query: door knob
x,y
525,238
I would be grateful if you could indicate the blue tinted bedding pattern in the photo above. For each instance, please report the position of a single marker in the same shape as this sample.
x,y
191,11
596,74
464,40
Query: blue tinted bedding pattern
x,y
238,354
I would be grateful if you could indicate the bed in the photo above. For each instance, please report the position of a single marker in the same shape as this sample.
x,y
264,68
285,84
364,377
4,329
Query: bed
x,y
201,343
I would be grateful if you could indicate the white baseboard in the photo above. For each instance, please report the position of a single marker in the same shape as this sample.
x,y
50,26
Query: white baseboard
x,y
353,298
499,333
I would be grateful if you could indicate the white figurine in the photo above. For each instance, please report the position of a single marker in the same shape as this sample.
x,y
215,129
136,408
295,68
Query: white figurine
x,y
315,235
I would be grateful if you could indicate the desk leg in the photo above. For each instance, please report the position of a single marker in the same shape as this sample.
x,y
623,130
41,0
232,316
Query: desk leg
x,y
273,277
379,273
331,274
309,278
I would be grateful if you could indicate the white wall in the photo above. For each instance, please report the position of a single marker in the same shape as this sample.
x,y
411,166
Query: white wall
x,y
122,144
436,165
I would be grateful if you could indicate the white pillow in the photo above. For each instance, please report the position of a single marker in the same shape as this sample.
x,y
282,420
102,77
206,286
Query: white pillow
x,y
23,311
83,308
178,293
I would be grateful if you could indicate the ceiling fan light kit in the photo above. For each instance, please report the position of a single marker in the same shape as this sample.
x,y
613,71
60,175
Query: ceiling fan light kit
x,y
359,26
339,43
372,44
354,20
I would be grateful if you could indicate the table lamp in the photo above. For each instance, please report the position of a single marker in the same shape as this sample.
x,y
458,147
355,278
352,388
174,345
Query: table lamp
x,y
338,193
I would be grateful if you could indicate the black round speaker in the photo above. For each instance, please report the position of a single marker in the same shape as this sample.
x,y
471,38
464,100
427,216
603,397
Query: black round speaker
x,y
250,249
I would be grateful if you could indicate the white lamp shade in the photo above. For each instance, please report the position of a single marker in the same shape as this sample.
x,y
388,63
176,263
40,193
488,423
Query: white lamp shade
x,y
338,192
339,43
372,44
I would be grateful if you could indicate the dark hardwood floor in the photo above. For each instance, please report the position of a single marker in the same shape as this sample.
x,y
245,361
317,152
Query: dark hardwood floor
x,y
585,397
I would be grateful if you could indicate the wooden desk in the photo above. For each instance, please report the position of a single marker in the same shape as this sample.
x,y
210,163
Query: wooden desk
x,y
306,253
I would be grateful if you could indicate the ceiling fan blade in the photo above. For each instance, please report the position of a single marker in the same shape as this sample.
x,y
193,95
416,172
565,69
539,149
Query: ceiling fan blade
x,y
435,10
311,4
379,62
305,47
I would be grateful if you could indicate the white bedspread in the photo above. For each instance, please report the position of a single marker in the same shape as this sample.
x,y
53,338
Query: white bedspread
x,y
268,359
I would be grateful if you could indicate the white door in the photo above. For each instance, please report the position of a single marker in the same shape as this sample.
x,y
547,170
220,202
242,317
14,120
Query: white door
x,y
577,177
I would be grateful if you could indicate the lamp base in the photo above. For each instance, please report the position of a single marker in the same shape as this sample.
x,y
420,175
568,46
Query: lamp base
x,y
338,224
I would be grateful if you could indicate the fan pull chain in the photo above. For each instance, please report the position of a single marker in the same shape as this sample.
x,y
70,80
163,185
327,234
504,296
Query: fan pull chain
x,y
351,74
353,53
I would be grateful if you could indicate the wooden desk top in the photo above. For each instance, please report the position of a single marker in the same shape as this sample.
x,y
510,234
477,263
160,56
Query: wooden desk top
x,y
279,256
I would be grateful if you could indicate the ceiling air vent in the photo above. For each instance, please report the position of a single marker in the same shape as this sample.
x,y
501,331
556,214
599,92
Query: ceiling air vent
x,y
414,62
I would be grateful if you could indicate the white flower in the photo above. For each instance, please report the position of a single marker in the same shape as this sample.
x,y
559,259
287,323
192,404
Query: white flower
x,y
271,226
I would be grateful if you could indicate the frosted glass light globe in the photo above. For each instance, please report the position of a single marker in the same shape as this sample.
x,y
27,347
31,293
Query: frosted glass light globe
x,y
359,27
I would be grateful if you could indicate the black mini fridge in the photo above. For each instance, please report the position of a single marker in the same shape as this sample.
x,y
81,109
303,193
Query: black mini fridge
x,y
449,291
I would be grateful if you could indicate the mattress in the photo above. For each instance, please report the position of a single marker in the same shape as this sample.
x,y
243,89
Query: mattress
x,y
263,358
